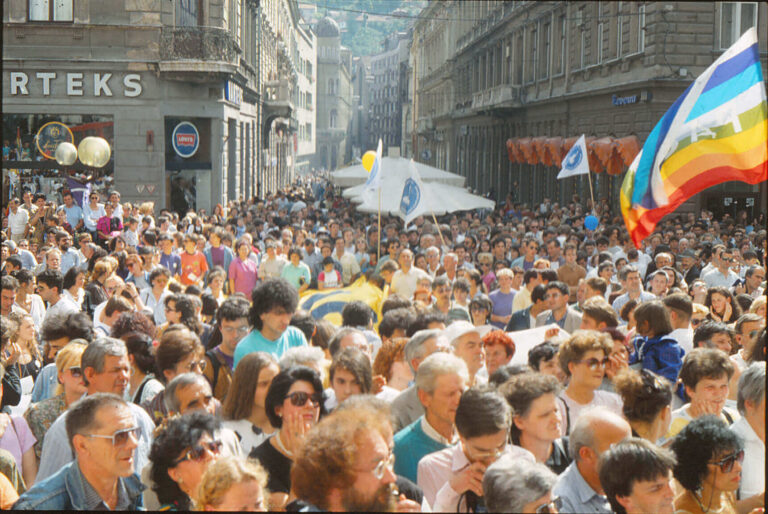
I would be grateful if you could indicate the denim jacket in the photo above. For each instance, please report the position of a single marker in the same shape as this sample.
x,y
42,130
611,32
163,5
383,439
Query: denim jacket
x,y
65,491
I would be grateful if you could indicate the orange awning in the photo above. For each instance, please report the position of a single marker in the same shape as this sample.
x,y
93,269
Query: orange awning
x,y
529,153
540,145
555,149
510,151
629,147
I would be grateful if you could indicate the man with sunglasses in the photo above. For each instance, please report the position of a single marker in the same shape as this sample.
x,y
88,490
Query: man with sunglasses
x,y
722,275
102,432
106,369
455,474
531,248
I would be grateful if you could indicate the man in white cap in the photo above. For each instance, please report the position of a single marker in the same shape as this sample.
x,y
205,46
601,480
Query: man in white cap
x,y
466,340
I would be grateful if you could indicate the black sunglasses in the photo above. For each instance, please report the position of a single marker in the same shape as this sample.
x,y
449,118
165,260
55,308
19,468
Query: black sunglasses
x,y
300,398
198,452
76,372
726,463
593,363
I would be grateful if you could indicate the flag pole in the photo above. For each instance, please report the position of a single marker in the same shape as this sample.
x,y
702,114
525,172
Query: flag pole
x,y
591,193
378,239
440,232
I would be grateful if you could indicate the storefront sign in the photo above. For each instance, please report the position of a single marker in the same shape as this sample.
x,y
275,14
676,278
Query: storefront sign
x,y
233,93
618,101
185,139
74,83
50,136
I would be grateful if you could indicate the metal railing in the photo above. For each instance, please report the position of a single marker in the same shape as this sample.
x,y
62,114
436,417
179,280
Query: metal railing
x,y
199,44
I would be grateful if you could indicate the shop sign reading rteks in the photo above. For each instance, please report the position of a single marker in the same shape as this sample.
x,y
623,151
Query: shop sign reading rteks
x,y
185,139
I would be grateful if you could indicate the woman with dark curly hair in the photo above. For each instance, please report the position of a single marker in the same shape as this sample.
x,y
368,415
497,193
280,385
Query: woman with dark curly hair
x,y
709,458
722,305
294,404
647,401
144,386
181,452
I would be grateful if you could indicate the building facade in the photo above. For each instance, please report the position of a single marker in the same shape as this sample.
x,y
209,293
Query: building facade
x,y
334,97
386,98
485,72
362,82
179,89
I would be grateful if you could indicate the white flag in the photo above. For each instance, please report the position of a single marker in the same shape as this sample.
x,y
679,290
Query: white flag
x,y
413,201
373,183
575,161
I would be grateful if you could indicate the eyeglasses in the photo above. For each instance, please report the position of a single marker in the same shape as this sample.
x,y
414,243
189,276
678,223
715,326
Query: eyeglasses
x,y
197,364
300,398
239,330
76,372
199,451
487,454
593,363
726,463
120,438
548,508
387,463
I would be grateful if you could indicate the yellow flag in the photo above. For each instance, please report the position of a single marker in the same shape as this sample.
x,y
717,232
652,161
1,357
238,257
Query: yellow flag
x,y
328,304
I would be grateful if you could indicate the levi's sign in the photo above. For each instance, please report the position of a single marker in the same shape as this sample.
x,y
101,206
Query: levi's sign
x,y
185,139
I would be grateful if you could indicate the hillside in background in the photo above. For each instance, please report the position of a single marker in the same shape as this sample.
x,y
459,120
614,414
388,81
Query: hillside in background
x,y
365,23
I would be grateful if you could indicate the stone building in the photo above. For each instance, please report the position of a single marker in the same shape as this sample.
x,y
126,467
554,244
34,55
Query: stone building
x,y
362,82
484,72
386,98
334,97
195,98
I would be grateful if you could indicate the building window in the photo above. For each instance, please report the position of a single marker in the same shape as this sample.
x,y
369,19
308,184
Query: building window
x,y
309,101
561,60
333,120
189,13
600,34
735,19
51,10
547,34
331,87
641,29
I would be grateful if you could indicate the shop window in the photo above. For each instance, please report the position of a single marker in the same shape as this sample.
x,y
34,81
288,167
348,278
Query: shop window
x,y
189,13
51,10
29,146
735,19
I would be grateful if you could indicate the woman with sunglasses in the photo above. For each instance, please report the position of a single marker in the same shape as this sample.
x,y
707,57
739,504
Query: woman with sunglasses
x,y
41,415
709,457
180,454
583,358
294,404
647,401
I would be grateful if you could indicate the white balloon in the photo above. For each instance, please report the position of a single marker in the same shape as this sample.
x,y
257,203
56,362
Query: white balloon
x,y
66,154
94,152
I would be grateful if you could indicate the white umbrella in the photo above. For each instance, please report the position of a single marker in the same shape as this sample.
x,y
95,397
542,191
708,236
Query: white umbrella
x,y
297,206
395,166
439,198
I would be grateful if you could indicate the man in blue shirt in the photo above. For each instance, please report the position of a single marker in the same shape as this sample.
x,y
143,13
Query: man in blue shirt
x,y
168,259
273,303
593,433
74,211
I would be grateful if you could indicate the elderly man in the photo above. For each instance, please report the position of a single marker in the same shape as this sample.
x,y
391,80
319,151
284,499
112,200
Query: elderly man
x,y
441,380
405,280
578,487
406,407
751,428
102,432
106,369
482,421
466,340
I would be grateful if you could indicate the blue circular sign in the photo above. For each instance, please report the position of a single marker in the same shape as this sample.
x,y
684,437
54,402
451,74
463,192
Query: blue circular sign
x,y
411,197
573,158
185,139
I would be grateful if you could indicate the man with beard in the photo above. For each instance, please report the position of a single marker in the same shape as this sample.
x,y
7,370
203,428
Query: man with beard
x,y
346,465
69,256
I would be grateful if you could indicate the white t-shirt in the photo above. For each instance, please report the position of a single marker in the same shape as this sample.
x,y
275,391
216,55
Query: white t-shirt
x,y
570,408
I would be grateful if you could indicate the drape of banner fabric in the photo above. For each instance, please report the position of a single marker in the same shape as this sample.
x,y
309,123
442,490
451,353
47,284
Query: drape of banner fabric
x,y
328,304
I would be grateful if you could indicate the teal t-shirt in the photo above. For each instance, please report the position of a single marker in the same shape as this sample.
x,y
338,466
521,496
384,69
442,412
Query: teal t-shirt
x,y
255,342
411,444
293,273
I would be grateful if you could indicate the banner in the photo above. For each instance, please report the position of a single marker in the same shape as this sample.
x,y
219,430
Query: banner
x,y
575,161
328,304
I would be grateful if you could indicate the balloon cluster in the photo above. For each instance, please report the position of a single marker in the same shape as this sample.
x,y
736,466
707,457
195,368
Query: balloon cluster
x,y
92,151
369,158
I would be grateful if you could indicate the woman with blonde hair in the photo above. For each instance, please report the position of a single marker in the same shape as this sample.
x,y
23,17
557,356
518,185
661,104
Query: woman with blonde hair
x,y
759,306
233,484
29,360
41,415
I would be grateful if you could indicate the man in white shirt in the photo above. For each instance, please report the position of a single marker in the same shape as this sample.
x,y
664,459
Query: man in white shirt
x,y
405,280
680,310
350,269
751,428
482,421
18,220
722,275
49,286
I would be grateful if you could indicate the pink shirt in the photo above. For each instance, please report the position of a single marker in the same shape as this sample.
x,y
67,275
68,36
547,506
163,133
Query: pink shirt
x,y
244,275
17,438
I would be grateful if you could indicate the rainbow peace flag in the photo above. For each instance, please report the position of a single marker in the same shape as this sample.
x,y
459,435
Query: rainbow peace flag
x,y
715,132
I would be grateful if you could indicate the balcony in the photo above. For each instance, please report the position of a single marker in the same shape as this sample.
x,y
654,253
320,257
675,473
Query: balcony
x,y
197,54
504,95
277,99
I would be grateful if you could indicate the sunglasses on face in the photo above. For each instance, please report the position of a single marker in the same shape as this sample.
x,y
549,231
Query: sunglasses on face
x,y
120,438
547,508
726,463
300,398
199,451
594,363
76,372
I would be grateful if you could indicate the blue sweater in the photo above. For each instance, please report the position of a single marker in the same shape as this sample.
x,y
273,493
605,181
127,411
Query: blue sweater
x,y
411,444
662,355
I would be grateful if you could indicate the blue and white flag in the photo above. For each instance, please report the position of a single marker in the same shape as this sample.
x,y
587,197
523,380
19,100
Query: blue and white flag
x,y
373,183
575,161
413,201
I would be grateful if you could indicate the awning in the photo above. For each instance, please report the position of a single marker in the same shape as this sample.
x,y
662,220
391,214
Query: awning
x,y
609,154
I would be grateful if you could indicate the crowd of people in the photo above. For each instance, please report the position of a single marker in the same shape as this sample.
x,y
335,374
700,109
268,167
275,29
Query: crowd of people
x,y
160,360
